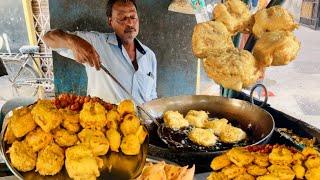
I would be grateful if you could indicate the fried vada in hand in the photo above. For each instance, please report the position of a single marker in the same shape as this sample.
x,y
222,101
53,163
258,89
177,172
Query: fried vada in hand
x,y
46,115
81,163
21,121
64,138
114,139
38,139
130,145
22,157
50,160
92,116
94,140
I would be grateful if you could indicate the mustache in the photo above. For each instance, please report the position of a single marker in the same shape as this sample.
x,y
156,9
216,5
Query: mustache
x,y
129,29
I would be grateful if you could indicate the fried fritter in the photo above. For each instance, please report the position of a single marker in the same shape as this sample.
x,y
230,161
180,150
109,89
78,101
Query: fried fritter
x,y
46,115
233,68
70,120
114,139
240,156
256,170
94,140
244,176
276,48
280,156
113,119
299,170
203,137
93,116
232,134
81,163
22,122
50,160
126,107
130,124
220,162
233,171
282,171
261,159
298,158
130,145
275,18
63,138
313,173
22,157
197,118
234,14
153,172
142,134
210,36
174,120
217,176
38,139
9,136
312,162
217,125
307,151
268,177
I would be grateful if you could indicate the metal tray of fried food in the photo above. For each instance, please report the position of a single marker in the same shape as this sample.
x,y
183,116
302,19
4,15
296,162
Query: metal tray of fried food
x,y
116,165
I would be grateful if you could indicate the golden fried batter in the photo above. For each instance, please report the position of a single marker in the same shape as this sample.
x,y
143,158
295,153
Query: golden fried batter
x,y
298,158
232,134
50,160
22,157
22,122
280,156
38,139
282,171
9,136
268,177
313,173
70,120
256,170
233,171
217,176
63,138
299,170
312,162
261,159
95,140
203,137
142,134
46,115
276,48
153,172
210,36
307,151
81,163
220,162
197,118
174,120
126,107
240,156
93,115
130,124
233,68
114,139
275,18
217,125
113,119
234,14
244,176
130,145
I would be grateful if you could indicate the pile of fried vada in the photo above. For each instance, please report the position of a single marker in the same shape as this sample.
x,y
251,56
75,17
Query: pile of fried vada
x,y
44,138
235,68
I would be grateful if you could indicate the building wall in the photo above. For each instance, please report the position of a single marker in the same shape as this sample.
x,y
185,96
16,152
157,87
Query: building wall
x,y
168,34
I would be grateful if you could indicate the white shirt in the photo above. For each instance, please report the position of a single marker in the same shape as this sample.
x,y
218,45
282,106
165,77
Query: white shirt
x,y
141,83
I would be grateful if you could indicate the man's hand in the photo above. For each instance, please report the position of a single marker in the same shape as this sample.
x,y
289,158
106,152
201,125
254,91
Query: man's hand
x,y
84,52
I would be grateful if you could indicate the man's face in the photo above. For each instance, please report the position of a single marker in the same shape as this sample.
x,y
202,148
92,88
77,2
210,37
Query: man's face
x,y
124,21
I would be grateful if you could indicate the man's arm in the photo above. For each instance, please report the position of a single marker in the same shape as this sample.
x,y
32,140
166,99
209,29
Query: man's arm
x,y
82,50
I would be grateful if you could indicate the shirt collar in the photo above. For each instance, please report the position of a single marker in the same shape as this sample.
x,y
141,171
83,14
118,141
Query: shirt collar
x,y
115,40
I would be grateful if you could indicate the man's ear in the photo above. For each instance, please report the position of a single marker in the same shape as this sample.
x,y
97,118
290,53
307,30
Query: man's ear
x,y
109,19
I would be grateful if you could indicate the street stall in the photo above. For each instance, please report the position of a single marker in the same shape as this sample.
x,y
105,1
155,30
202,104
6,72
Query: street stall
x,y
183,137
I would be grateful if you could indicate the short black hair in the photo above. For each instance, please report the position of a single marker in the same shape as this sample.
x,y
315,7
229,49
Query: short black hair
x,y
110,4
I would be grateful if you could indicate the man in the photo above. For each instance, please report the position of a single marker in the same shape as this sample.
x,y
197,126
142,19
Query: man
x,y
132,63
